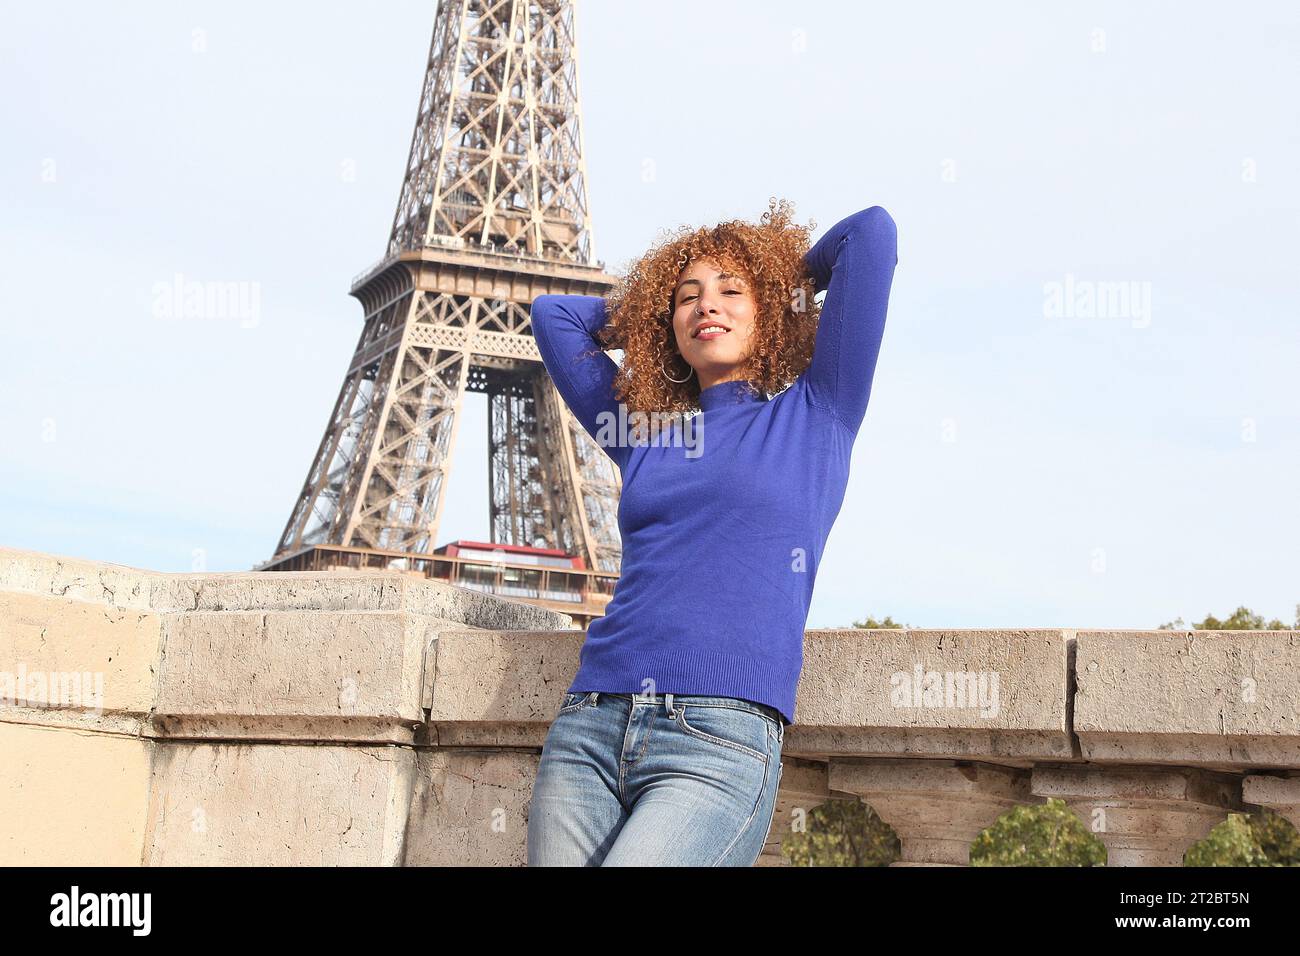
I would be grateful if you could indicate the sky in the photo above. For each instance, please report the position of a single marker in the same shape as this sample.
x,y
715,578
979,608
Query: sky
x,y
1036,453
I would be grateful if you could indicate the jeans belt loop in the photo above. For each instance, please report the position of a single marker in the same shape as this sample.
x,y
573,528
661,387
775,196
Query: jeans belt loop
x,y
668,703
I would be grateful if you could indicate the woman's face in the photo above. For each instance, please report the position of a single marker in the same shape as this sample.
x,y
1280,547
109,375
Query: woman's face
x,y
705,295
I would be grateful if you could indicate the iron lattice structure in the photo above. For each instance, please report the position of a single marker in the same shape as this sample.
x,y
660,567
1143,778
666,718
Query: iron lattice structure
x,y
492,213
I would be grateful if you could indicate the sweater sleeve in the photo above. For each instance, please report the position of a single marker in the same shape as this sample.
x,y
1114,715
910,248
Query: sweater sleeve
x,y
854,262
565,327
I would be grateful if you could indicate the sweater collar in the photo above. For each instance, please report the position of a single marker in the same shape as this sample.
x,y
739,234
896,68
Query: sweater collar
x,y
729,393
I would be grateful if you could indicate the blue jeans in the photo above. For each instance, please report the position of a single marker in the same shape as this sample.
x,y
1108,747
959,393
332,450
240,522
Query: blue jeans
x,y
655,780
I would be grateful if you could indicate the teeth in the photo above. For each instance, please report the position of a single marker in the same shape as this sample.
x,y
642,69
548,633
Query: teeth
x,y
710,328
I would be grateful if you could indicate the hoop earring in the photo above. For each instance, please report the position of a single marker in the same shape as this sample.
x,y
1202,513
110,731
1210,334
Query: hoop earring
x,y
675,380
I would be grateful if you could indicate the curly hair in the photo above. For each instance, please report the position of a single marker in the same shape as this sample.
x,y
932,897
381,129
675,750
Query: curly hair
x,y
769,254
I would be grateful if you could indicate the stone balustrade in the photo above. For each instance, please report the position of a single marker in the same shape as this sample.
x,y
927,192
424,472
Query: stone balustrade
x,y
376,718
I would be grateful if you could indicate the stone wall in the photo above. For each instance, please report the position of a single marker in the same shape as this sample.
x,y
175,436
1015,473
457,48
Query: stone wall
x,y
377,718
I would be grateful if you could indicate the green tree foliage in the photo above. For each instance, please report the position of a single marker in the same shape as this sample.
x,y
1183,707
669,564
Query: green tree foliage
x,y
1242,619
842,833
1048,834
1276,836
873,623
1231,843
1255,839
849,833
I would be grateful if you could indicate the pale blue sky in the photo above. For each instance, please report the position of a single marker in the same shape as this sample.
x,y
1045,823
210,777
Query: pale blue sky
x,y
1014,469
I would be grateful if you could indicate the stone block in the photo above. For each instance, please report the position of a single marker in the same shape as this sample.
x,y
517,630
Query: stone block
x,y
998,695
1215,699
250,804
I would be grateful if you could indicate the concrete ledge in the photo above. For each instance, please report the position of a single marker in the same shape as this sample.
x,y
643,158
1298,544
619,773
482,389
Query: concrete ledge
x,y
328,656
296,675
76,663
374,718
1214,699
96,581
310,670
897,692
346,591
493,688
75,578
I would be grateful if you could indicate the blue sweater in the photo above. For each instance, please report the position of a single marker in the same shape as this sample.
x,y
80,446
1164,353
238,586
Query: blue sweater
x,y
725,518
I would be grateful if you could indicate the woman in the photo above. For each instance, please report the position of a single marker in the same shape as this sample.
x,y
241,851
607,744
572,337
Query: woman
x,y
666,748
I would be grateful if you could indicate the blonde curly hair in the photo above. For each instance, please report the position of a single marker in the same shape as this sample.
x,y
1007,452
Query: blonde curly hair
x,y
770,254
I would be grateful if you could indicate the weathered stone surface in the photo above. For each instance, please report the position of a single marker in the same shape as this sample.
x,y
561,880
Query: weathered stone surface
x,y
494,688
280,591
334,675
470,808
854,681
1279,794
65,662
1217,699
347,591
74,578
223,804
70,798
338,590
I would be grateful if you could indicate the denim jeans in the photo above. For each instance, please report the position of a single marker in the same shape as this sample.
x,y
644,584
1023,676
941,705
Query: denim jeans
x,y
655,780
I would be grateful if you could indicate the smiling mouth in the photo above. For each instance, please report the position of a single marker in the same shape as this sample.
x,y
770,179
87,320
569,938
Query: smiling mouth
x,y
706,333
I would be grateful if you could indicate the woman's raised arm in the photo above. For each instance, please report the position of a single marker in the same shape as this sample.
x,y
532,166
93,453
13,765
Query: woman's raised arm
x,y
854,261
565,327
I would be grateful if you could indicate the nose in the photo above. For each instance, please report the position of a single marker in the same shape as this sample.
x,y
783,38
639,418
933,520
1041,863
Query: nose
x,y
706,303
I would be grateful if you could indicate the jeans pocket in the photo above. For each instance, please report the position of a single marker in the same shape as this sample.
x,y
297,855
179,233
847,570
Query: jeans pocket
x,y
731,727
571,702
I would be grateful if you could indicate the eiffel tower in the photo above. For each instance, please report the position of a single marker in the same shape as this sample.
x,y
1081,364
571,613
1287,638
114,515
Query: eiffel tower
x,y
492,213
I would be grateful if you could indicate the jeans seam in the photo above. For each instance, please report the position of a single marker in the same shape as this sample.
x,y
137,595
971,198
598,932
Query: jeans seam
x,y
749,821
622,763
